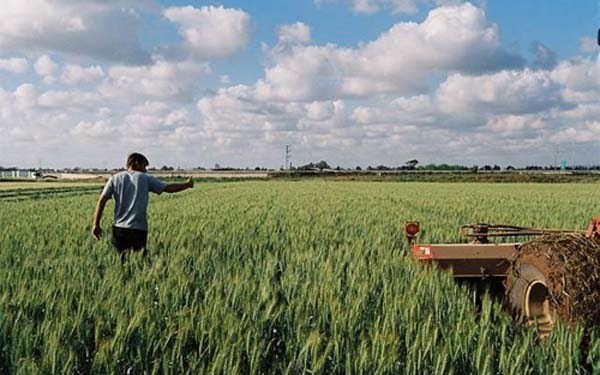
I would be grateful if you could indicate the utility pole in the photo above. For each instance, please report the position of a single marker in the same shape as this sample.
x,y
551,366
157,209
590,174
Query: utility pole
x,y
288,156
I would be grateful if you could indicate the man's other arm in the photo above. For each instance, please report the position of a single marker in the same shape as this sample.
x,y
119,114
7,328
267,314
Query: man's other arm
x,y
174,188
96,229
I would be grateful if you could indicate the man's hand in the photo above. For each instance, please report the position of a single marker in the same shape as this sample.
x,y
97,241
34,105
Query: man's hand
x,y
97,232
174,188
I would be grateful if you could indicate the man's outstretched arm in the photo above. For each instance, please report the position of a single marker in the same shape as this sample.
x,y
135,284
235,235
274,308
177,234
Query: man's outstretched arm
x,y
96,229
174,188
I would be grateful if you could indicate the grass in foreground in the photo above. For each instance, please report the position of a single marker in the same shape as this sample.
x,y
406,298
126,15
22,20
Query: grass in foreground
x,y
274,277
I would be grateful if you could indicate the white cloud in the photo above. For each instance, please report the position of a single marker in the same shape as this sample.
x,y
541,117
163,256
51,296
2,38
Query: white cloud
x,y
234,110
393,6
69,99
97,129
544,57
211,32
294,33
152,119
506,92
416,90
105,30
403,111
578,74
163,80
511,124
75,74
239,110
587,132
398,61
46,68
26,96
588,45
225,79
178,118
14,65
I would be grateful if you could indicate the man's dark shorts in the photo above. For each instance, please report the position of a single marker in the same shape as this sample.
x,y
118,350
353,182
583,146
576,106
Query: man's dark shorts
x,y
125,238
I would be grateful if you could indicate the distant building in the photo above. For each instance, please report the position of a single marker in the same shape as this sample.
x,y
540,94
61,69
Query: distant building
x,y
18,174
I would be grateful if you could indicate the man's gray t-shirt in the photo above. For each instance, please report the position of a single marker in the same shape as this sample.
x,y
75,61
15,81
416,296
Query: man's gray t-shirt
x,y
130,190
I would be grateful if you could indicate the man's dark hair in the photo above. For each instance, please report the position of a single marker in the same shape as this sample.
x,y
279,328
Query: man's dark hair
x,y
137,158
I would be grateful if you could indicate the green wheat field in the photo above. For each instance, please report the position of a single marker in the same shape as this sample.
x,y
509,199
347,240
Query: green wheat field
x,y
273,277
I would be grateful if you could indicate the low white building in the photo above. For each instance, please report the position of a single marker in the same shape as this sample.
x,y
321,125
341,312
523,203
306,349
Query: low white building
x,y
17,174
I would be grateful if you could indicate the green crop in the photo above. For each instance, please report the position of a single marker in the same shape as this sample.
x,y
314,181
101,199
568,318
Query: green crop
x,y
287,277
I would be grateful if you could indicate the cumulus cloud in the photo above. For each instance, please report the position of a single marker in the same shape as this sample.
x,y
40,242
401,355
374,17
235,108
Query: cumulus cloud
x,y
297,32
544,57
416,111
225,79
211,32
97,129
398,61
104,30
162,80
511,124
29,121
589,131
238,110
46,68
75,74
234,119
515,92
578,74
415,91
26,96
69,99
588,45
235,109
153,118
394,6
14,65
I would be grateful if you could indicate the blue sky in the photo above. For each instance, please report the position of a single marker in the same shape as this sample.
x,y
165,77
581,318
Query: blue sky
x,y
354,82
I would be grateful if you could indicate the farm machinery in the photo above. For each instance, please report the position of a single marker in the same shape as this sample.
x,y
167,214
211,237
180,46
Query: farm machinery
x,y
554,274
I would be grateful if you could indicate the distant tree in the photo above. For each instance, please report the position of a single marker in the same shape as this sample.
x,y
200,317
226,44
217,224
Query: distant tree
x,y
411,164
358,168
322,165
496,168
486,168
510,168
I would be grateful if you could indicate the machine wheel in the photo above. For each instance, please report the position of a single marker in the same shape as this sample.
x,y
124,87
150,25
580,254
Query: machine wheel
x,y
528,295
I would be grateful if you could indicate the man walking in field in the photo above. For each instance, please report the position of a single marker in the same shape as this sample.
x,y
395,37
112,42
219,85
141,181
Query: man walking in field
x,y
130,190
